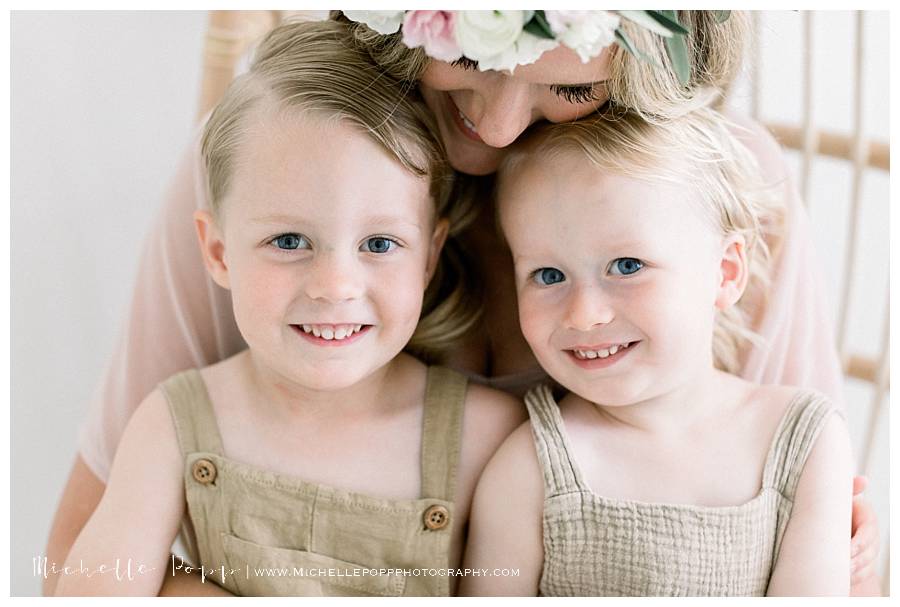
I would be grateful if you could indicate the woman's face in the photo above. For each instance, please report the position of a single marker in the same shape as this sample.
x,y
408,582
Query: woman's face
x,y
480,113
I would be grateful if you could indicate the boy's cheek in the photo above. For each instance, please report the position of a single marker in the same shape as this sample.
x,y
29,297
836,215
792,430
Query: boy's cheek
x,y
264,286
535,320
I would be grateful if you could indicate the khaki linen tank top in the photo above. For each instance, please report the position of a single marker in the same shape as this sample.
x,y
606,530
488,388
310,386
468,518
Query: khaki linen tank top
x,y
594,546
260,533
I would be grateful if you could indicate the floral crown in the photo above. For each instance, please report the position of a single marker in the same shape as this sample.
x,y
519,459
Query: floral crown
x,y
503,40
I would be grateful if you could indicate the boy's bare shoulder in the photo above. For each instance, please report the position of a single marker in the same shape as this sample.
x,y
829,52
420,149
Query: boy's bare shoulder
x,y
225,372
515,465
777,399
153,414
520,442
765,407
150,440
493,409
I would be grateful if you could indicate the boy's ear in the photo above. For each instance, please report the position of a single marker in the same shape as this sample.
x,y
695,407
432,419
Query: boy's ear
x,y
212,246
438,238
733,271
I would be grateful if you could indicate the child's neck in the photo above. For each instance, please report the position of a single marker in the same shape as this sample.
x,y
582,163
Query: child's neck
x,y
289,400
679,410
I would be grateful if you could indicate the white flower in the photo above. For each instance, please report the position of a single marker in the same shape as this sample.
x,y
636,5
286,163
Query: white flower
x,y
527,49
585,32
383,22
484,34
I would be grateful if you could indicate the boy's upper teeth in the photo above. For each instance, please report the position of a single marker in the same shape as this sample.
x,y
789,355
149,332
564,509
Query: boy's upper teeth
x,y
332,331
587,354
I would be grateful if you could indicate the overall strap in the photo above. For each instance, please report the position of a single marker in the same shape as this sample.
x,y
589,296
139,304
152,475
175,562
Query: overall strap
x,y
794,439
561,473
192,412
445,397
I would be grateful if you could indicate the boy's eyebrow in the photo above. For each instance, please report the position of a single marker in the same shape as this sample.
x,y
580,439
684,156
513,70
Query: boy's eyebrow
x,y
391,220
276,219
294,219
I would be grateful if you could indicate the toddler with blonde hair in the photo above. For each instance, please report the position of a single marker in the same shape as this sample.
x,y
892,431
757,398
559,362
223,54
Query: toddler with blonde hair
x,y
322,450
660,472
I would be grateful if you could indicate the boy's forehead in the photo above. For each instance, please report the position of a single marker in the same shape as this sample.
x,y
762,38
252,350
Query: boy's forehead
x,y
308,167
576,201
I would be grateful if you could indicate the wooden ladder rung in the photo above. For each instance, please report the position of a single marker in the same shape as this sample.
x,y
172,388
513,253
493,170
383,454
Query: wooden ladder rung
x,y
832,144
862,367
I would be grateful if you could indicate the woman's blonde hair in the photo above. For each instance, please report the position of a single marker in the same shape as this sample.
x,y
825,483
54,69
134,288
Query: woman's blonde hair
x,y
315,68
696,151
652,89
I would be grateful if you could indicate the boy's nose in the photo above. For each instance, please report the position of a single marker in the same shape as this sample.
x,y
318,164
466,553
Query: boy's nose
x,y
588,307
334,277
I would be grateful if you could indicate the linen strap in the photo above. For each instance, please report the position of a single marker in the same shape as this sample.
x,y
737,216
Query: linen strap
x,y
794,439
445,396
561,474
192,412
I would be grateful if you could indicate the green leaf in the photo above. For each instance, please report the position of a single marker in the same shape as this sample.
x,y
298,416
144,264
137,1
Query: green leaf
x,y
538,26
625,42
678,55
669,19
721,16
646,22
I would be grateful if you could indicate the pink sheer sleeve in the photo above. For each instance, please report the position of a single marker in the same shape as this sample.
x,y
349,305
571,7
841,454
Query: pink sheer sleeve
x,y
796,324
178,318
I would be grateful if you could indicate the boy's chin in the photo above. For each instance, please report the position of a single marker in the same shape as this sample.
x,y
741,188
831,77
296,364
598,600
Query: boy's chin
x,y
329,379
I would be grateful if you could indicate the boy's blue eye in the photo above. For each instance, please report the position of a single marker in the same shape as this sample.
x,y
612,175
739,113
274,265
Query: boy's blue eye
x,y
548,276
290,242
625,266
379,244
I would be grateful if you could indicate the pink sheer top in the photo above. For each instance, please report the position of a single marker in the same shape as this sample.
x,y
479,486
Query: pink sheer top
x,y
180,319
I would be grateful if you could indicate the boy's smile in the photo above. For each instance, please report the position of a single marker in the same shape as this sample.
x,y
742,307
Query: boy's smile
x,y
602,356
340,334
327,245
616,277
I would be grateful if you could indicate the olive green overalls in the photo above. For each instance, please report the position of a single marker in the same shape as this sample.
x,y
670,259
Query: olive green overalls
x,y
256,532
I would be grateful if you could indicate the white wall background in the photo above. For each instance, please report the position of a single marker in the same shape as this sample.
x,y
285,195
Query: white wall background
x,y
780,65
102,105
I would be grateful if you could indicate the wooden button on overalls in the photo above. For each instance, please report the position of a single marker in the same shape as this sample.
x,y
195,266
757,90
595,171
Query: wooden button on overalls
x,y
437,517
204,471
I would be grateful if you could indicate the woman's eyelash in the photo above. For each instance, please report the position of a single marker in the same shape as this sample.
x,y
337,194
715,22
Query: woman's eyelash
x,y
572,94
465,63
575,94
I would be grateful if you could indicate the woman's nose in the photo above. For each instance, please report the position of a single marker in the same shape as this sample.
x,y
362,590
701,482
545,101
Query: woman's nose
x,y
588,307
334,277
507,113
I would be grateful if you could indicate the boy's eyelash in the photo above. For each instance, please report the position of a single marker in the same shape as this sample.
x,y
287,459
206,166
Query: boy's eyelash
x,y
575,94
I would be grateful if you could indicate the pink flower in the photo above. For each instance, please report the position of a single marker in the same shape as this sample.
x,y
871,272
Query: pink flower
x,y
432,30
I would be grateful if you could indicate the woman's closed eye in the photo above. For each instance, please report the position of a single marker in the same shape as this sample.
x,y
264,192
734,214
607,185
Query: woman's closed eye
x,y
547,276
465,63
625,266
290,242
571,93
576,93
